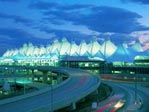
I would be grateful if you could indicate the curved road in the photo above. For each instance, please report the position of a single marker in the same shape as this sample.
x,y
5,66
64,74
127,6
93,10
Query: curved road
x,y
79,84
129,90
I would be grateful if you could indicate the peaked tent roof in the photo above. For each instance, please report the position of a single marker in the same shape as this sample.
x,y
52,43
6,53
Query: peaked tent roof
x,y
6,54
137,47
121,55
86,54
65,46
30,50
73,49
99,55
107,51
107,48
48,48
93,47
82,48
75,54
56,45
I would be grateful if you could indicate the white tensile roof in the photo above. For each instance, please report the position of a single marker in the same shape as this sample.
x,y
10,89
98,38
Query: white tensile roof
x,y
121,54
107,48
137,47
108,51
73,49
30,50
82,48
93,47
42,50
56,45
99,55
64,47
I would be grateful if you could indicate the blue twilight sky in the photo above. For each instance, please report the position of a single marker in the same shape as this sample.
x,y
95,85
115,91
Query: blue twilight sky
x,y
42,21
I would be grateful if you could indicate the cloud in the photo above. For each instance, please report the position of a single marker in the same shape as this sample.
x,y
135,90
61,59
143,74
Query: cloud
x,y
96,21
143,36
42,5
146,2
97,18
70,35
68,26
19,36
4,47
100,19
146,46
116,38
122,38
13,38
15,33
16,18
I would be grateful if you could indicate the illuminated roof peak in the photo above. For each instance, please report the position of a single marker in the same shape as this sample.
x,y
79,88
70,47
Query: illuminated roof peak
x,y
137,47
64,39
108,48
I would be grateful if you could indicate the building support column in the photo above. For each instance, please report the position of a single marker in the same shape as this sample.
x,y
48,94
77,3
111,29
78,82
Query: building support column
x,y
59,78
33,75
45,76
51,78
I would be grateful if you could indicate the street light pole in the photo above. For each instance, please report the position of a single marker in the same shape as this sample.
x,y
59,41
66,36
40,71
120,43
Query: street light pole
x,y
136,79
51,78
24,87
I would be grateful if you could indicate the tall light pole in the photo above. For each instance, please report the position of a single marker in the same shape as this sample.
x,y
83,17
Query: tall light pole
x,y
51,78
136,81
24,86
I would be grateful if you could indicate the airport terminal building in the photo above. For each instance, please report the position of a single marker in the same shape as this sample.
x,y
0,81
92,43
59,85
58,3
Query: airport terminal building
x,y
94,56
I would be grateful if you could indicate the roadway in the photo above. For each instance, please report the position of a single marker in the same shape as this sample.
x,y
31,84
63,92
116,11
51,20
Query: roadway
x,y
127,90
79,84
